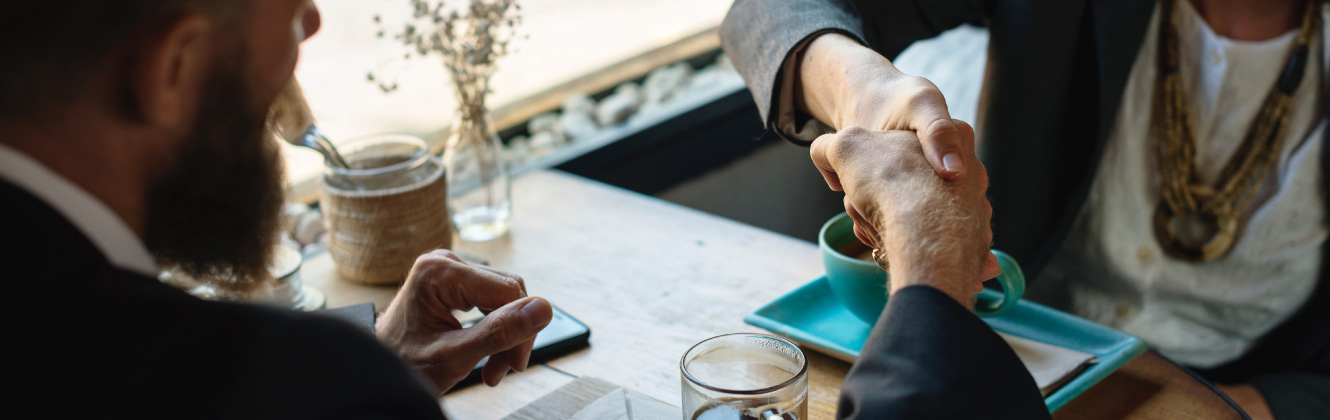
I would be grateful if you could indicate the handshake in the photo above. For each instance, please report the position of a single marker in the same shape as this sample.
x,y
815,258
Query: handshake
x,y
935,232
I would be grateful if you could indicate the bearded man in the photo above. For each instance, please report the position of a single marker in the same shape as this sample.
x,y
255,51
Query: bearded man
x,y
132,134
1159,167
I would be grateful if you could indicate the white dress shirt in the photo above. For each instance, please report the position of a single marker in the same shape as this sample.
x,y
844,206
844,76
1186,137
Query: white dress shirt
x,y
1111,268
122,248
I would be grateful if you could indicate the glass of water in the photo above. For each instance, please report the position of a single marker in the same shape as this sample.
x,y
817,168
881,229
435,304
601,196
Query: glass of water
x,y
744,376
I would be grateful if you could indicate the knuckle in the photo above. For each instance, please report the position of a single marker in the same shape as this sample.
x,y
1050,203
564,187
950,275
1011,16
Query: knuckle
x,y
511,284
431,261
919,92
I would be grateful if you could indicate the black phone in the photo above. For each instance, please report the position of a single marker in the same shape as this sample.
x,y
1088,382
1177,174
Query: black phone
x,y
563,335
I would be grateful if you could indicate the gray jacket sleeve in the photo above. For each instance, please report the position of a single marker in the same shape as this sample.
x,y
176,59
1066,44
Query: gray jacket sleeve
x,y
759,35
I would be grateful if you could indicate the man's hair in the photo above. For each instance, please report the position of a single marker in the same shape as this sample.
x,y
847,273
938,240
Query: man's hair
x,y
49,50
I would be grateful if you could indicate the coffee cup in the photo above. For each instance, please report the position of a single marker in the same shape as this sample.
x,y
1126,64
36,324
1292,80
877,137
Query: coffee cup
x,y
862,286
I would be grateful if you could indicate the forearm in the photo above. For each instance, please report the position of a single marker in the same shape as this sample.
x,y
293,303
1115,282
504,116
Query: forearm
x,y
832,75
929,358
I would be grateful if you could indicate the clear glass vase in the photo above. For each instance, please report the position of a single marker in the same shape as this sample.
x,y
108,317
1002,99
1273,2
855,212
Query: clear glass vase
x,y
478,185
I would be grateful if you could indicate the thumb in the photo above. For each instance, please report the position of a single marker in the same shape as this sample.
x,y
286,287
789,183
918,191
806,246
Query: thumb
x,y
945,142
820,152
507,327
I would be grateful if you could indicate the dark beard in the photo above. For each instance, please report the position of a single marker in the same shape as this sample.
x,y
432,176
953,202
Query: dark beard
x,y
215,215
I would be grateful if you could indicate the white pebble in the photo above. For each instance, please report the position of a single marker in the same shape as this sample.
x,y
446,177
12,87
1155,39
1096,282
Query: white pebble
x,y
630,90
291,213
616,108
579,103
548,121
309,227
578,126
543,143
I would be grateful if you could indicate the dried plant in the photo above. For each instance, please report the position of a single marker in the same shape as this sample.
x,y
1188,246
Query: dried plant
x,y
469,44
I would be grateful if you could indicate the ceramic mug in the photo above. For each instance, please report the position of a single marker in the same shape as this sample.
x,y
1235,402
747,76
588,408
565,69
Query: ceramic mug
x,y
862,286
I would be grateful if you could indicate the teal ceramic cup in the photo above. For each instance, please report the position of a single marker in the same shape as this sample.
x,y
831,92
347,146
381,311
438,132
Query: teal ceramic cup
x,y
862,286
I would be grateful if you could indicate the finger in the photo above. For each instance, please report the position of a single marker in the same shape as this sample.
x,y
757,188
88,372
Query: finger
x,y
519,357
943,140
450,255
864,237
494,371
520,282
471,286
446,254
861,227
819,152
967,138
991,267
505,328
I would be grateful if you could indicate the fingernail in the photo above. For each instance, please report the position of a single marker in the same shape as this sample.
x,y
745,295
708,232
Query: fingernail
x,y
953,163
533,314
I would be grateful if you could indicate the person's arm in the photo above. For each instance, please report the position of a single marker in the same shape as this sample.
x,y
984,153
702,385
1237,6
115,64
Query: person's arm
x,y
928,356
817,66
315,367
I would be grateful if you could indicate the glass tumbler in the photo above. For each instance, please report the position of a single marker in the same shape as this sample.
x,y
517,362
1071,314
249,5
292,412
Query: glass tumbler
x,y
744,376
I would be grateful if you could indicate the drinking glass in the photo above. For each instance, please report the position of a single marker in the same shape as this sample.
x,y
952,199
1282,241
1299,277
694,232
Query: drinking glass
x,y
744,376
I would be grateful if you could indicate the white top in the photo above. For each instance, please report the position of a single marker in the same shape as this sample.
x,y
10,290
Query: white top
x,y
1111,268
103,227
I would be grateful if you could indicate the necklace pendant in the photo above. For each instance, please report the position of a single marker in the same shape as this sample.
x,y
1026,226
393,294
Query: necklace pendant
x,y
1196,236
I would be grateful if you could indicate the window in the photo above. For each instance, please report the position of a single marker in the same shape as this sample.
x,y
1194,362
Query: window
x,y
565,40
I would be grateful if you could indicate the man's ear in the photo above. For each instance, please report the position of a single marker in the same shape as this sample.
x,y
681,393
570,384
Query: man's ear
x,y
166,75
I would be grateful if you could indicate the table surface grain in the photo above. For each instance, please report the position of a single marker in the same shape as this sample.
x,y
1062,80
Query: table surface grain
x,y
651,278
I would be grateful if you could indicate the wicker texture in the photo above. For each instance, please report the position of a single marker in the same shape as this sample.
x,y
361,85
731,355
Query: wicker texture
x,y
375,236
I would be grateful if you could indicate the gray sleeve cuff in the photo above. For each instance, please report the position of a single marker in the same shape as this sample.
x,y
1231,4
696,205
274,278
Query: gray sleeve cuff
x,y
788,116
760,36
1296,395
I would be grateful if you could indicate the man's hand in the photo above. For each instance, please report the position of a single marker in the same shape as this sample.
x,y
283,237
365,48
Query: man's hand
x,y
845,84
935,232
419,323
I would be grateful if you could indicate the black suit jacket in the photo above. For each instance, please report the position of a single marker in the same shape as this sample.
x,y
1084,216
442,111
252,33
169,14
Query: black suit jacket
x,y
1054,82
94,341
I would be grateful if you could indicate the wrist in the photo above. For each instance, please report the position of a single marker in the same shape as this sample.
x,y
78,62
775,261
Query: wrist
x,y
833,71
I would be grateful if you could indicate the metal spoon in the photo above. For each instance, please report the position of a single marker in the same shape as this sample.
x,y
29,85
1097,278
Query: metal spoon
x,y
291,119
315,139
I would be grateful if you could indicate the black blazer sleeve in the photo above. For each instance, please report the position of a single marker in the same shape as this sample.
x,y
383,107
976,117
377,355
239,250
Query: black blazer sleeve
x,y
759,35
317,367
930,358
1296,395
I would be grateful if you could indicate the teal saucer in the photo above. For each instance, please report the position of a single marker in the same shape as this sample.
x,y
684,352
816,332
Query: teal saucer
x,y
812,316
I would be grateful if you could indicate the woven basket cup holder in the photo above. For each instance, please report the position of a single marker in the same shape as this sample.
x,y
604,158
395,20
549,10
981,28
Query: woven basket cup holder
x,y
376,234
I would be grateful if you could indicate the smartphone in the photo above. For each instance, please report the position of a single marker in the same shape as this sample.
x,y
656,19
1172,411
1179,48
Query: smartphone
x,y
563,335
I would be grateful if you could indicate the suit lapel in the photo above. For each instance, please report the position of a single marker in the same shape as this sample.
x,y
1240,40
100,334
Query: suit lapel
x,y
1119,29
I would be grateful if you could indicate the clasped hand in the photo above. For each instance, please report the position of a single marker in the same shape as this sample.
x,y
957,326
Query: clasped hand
x,y
935,232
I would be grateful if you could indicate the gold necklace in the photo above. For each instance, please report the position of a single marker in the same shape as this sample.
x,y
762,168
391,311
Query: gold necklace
x,y
1197,222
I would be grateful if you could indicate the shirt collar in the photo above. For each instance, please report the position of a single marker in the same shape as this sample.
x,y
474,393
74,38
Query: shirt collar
x,y
117,242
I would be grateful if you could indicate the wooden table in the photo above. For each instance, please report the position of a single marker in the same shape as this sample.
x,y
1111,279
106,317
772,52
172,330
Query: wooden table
x,y
652,278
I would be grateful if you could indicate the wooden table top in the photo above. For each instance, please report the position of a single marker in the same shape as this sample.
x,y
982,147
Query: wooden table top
x,y
651,278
